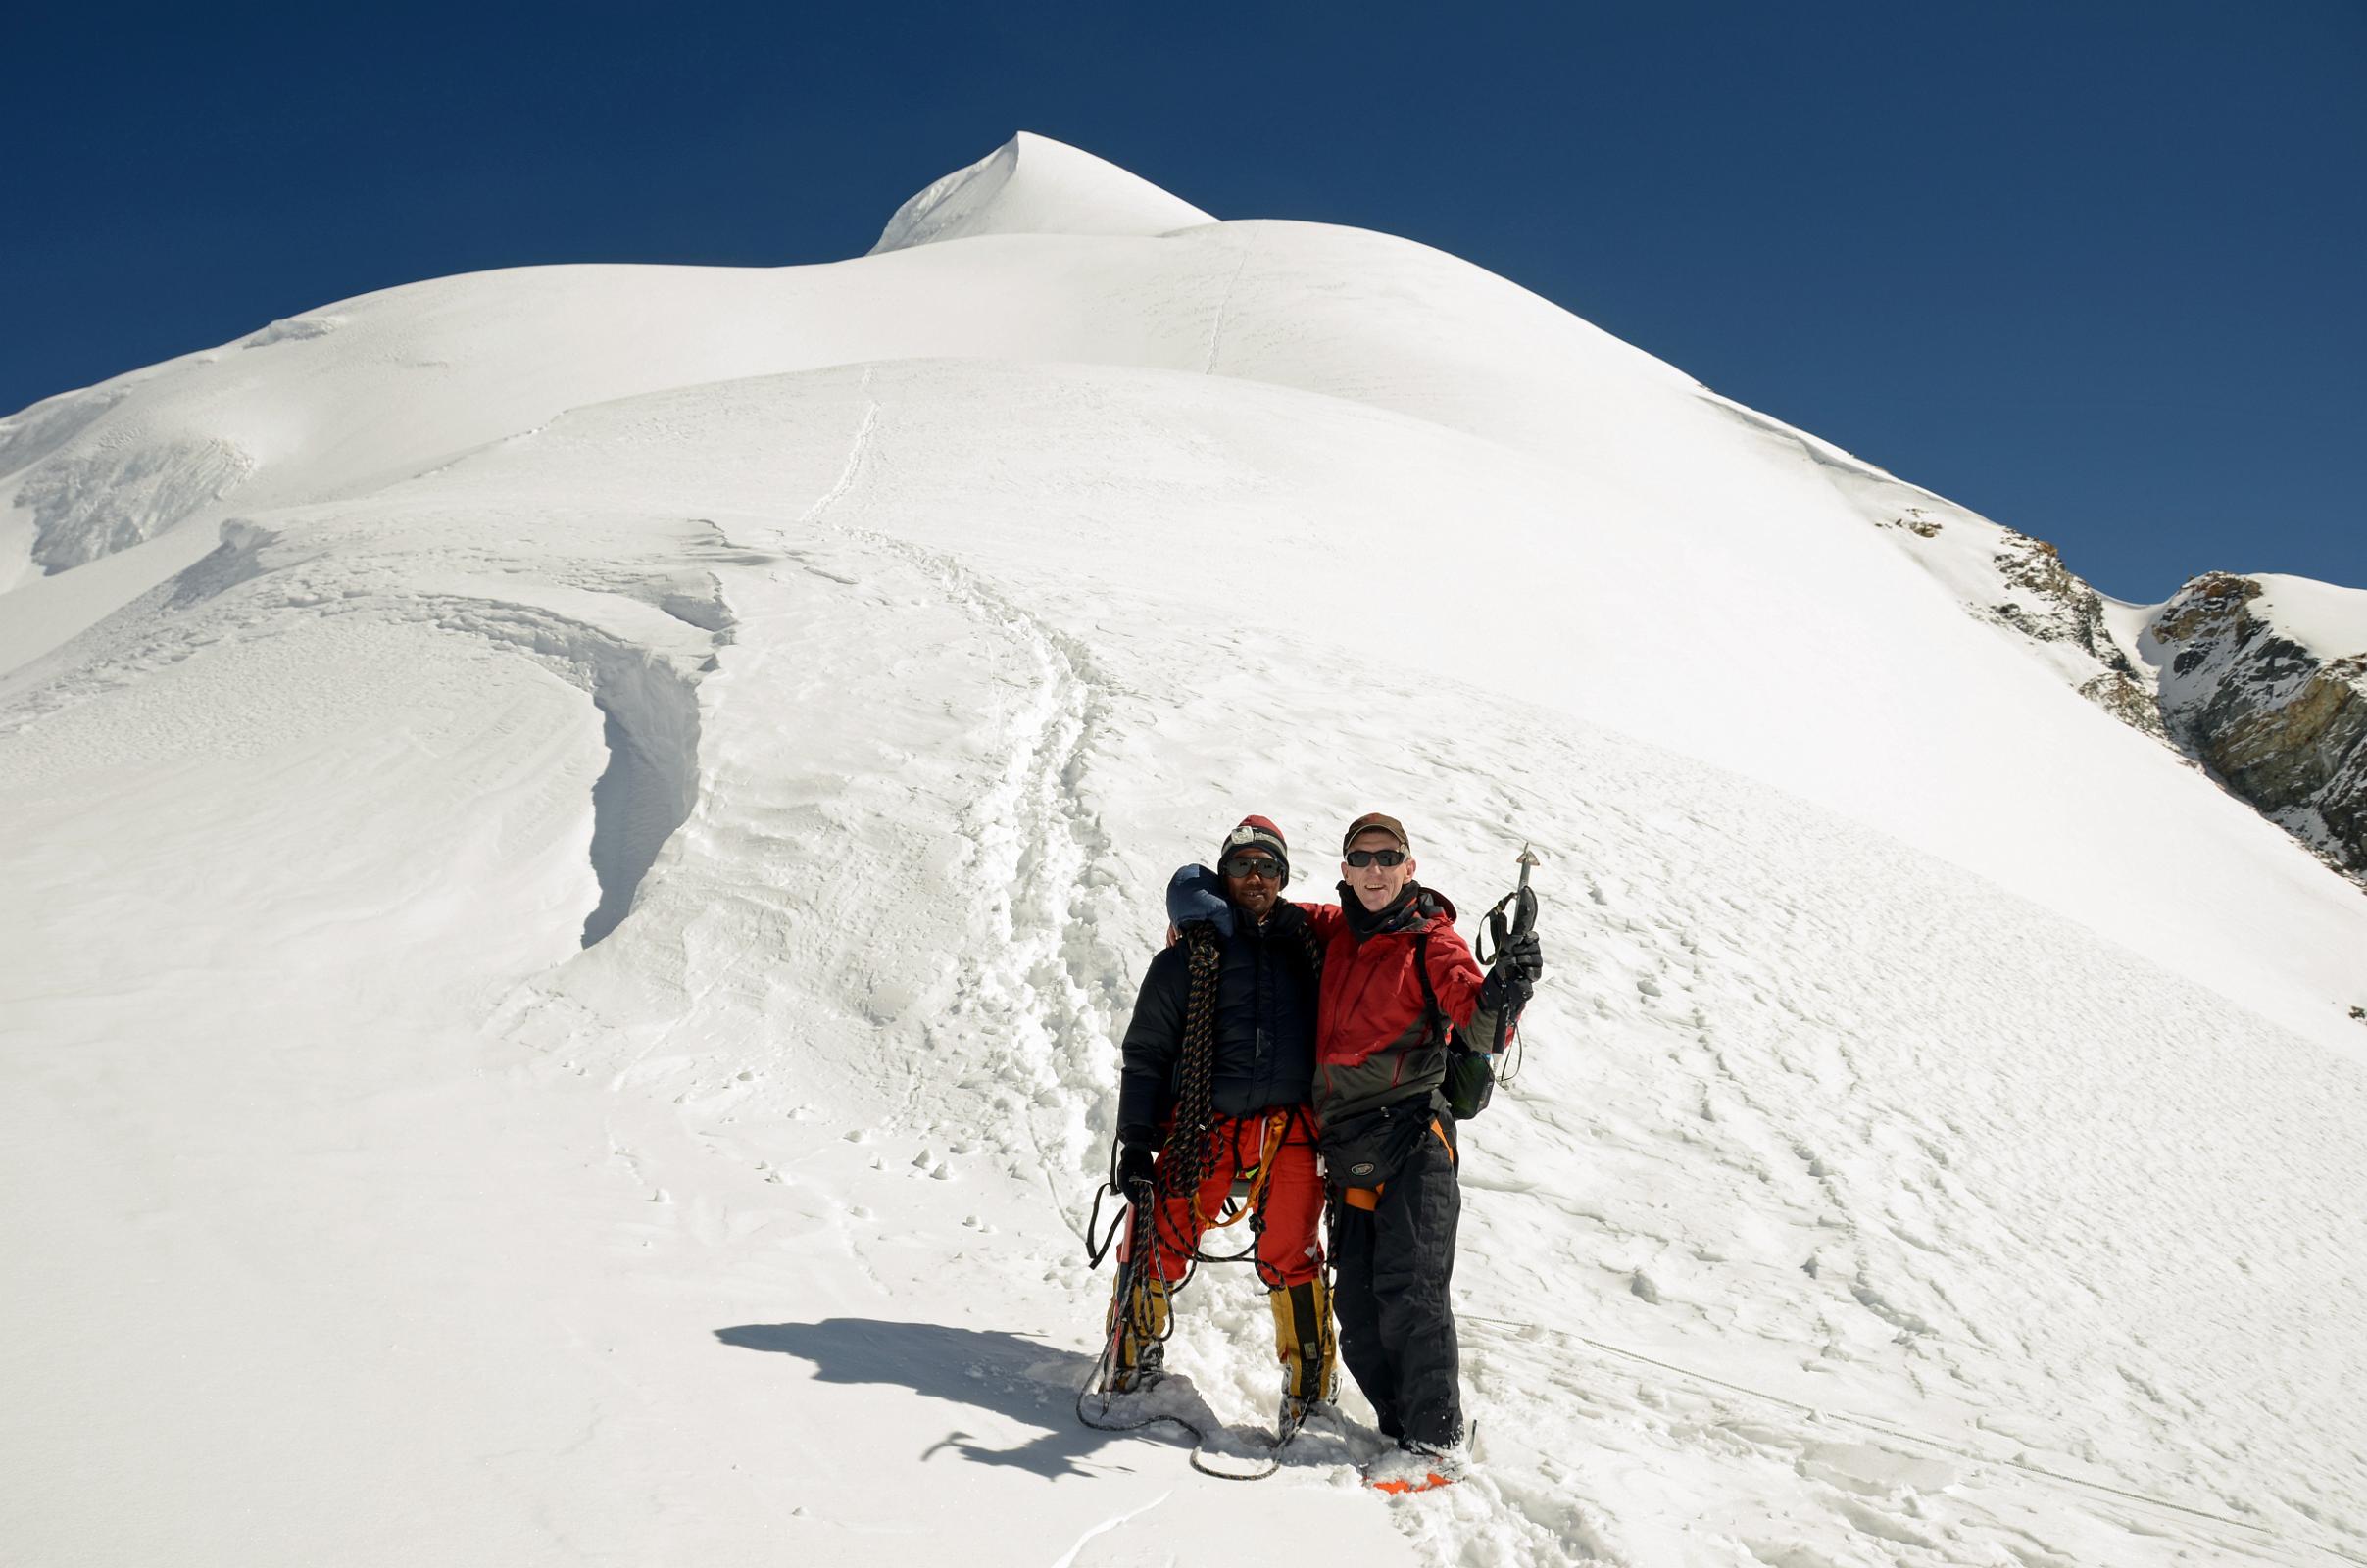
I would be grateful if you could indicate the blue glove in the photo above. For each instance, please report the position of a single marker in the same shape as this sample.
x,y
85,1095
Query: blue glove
x,y
1195,896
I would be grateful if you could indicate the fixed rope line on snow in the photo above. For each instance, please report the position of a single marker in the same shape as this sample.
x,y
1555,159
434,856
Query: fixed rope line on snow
x,y
1905,1434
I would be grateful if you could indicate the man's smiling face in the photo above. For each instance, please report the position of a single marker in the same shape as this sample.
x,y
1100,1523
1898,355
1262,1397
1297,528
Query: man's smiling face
x,y
1374,883
1252,879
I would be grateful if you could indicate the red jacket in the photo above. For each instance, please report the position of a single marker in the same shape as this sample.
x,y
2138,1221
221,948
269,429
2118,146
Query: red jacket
x,y
1374,1045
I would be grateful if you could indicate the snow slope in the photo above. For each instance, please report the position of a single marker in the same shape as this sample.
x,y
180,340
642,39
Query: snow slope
x,y
1937,1144
2330,622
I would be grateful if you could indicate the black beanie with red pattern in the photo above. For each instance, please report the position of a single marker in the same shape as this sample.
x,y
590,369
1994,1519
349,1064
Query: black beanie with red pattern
x,y
1256,833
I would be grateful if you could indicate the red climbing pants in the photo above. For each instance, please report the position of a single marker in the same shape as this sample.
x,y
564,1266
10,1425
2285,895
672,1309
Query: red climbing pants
x,y
1276,1151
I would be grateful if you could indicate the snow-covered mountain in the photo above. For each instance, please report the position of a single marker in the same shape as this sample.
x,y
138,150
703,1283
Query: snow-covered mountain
x,y
580,838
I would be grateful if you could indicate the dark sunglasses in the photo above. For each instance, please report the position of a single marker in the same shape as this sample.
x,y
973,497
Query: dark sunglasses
x,y
1360,859
1241,865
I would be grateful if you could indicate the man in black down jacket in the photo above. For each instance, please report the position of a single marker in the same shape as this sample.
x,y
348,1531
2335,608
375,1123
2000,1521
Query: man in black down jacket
x,y
1262,1068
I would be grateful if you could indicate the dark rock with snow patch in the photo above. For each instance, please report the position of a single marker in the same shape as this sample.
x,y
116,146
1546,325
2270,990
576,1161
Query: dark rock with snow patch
x,y
2282,726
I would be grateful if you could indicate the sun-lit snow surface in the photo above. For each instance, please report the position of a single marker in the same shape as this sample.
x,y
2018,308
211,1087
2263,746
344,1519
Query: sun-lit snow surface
x,y
1034,185
2330,622
1939,1141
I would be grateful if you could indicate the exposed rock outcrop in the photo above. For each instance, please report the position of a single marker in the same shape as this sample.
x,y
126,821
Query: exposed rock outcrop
x,y
2020,584
2046,601
2283,723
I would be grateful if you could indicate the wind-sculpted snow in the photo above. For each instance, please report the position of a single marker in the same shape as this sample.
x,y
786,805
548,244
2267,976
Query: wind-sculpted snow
x,y
294,330
50,424
96,504
577,953
636,641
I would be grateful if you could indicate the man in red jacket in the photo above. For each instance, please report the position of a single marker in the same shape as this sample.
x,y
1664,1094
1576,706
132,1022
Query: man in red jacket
x,y
1388,1139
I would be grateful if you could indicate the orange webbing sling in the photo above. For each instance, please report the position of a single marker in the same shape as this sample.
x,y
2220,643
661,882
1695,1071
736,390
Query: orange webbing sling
x,y
1277,1124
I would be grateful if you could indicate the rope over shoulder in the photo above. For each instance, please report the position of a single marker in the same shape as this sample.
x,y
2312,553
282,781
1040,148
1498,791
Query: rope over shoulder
x,y
1187,1153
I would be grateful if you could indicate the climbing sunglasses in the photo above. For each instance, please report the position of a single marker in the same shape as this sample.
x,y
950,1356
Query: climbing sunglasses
x,y
1264,865
1360,859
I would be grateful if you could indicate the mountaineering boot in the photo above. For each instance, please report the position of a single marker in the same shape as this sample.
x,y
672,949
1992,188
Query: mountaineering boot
x,y
1137,1331
1302,1339
1415,1466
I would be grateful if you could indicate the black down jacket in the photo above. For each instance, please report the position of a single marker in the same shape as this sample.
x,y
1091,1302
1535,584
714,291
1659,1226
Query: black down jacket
x,y
1265,1027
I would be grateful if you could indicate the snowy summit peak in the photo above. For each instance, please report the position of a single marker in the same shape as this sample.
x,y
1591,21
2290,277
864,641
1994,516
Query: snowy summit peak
x,y
1034,185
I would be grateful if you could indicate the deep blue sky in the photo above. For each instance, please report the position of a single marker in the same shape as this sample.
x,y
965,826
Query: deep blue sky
x,y
2095,269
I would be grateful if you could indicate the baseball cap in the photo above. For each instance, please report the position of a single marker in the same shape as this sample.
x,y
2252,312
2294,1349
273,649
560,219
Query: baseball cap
x,y
1375,821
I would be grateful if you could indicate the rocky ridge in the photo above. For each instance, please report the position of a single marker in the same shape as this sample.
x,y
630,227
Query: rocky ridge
x,y
2282,723
2044,599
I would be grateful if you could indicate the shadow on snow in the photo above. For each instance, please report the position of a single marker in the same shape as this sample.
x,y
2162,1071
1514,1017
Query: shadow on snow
x,y
1015,1376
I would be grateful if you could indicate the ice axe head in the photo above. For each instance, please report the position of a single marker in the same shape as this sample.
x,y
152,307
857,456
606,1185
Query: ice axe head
x,y
1520,901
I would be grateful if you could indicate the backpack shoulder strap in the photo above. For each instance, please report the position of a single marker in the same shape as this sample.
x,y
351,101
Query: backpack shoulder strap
x,y
1432,1012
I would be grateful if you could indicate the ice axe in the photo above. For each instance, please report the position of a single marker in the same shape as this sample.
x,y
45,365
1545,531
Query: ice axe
x,y
1521,902
1523,918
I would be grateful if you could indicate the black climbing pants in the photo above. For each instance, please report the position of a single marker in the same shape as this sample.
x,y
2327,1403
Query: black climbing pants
x,y
1397,1327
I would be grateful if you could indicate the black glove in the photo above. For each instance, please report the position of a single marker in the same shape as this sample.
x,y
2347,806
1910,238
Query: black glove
x,y
1513,978
1504,991
1134,1168
1521,953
